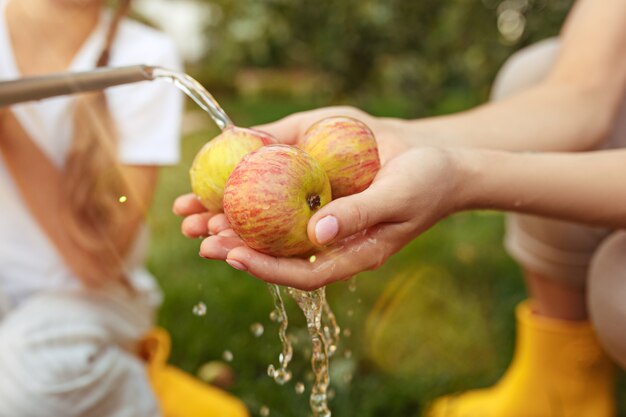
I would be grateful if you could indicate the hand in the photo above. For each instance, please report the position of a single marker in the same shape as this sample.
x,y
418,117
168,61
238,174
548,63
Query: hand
x,y
199,223
412,192
388,132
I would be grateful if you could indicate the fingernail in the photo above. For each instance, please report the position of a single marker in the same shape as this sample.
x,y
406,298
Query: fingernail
x,y
236,264
326,229
227,233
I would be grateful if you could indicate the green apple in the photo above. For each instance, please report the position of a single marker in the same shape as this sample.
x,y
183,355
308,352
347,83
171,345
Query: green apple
x,y
216,160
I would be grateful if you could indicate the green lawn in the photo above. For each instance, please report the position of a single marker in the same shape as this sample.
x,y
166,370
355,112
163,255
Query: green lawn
x,y
450,329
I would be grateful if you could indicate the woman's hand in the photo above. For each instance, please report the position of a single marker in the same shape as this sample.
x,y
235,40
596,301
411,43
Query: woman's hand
x,y
412,191
199,223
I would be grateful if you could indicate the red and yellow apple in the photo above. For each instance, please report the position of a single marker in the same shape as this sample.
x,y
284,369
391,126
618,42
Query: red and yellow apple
x,y
270,197
216,160
347,150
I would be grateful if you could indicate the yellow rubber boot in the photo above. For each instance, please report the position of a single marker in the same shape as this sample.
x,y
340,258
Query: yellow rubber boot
x,y
559,369
179,394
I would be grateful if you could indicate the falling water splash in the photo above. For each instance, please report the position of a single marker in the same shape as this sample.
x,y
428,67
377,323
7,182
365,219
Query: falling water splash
x,y
197,93
207,102
282,374
332,331
312,305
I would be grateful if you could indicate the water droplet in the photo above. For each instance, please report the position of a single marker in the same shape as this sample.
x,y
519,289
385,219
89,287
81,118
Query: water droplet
x,y
123,199
271,371
331,394
274,316
282,376
299,388
257,329
213,371
313,258
352,285
227,356
350,313
264,411
332,349
347,354
347,332
199,309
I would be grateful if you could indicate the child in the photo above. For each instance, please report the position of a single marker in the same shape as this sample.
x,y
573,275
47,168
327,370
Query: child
x,y
77,175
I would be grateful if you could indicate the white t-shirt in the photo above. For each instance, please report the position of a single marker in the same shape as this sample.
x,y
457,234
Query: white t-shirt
x,y
147,117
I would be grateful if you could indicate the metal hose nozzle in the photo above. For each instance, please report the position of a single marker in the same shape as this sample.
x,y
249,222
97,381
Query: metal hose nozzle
x,y
46,86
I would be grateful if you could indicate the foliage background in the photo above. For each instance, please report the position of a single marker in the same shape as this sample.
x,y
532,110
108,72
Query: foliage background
x,y
427,53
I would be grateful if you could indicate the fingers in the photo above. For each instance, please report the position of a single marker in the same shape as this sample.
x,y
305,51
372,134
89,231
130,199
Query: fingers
x,y
196,225
217,247
363,252
349,215
286,130
293,272
187,204
291,128
218,224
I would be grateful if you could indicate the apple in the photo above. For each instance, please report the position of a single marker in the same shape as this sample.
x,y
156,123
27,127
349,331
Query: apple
x,y
346,149
270,197
216,160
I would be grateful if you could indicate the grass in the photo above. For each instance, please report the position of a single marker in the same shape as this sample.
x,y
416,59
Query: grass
x,y
437,318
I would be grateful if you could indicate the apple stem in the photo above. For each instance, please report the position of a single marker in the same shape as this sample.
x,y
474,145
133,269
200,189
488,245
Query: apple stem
x,y
314,202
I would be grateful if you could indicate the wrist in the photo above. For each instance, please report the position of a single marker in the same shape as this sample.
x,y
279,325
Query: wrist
x,y
431,132
467,173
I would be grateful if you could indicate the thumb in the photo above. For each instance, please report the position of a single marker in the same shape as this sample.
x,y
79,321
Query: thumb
x,y
349,215
287,130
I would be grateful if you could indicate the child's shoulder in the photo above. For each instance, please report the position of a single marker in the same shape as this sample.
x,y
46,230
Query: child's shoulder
x,y
140,43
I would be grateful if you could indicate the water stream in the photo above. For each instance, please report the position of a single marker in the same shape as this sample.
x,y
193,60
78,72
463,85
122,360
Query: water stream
x,y
321,323
196,91
312,305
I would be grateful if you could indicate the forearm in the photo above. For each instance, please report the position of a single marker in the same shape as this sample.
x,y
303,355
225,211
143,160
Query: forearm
x,y
585,187
552,116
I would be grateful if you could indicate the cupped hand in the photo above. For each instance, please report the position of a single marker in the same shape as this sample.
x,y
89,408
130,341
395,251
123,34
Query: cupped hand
x,y
360,232
198,223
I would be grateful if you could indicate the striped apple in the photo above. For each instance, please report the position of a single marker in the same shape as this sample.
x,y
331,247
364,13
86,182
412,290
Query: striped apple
x,y
347,150
270,197
216,160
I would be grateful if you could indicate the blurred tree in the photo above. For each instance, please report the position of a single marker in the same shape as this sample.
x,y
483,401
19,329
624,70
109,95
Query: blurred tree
x,y
431,52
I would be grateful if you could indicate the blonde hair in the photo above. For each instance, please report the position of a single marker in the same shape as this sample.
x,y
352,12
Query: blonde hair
x,y
93,181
